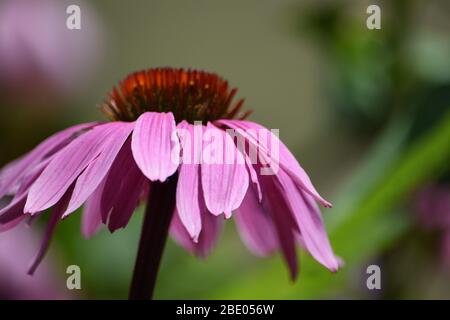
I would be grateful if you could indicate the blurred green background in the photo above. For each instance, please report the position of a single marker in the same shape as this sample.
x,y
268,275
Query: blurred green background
x,y
366,112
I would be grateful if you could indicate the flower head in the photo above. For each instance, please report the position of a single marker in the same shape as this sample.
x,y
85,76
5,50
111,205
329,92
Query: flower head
x,y
189,95
165,123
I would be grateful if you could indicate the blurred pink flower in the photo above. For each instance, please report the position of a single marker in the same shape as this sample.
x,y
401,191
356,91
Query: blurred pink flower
x,y
17,248
39,55
111,166
433,208
445,248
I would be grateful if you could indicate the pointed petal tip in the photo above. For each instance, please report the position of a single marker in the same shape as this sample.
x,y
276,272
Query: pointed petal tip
x,y
30,212
215,213
319,199
65,215
336,264
114,228
327,204
333,269
88,231
293,274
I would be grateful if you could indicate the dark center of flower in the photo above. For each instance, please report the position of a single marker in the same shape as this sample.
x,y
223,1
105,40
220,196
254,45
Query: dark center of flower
x,y
190,95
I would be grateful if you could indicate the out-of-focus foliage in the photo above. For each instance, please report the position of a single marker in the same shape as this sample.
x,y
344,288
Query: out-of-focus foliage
x,y
373,74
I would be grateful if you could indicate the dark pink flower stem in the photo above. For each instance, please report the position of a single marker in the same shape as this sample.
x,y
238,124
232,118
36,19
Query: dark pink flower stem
x,y
158,215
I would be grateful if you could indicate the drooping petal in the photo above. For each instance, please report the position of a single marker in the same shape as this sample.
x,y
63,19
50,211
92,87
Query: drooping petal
x,y
275,204
256,227
109,190
241,146
188,186
180,234
91,218
211,228
154,142
187,199
286,159
122,189
309,222
12,211
224,184
210,224
56,215
14,171
293,184
253,176
207,239
128,199
10,175
12,214
67,165
95,172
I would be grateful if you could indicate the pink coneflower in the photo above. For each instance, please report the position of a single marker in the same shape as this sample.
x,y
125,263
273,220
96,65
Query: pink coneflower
x,y
146,153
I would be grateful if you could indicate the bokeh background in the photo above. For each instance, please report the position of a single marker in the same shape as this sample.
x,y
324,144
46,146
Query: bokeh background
x,y
366,112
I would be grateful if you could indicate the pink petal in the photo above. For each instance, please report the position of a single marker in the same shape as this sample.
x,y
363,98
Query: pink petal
x,y
187,199
128,199
190,137
224,185
256,226
14,171
251,170
89,180
51,225
309,222
180,234
153,143
188,202
253,176
122,190
286,159
66,166
108,189
274,203
13,212
210,230
209,234
92,214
